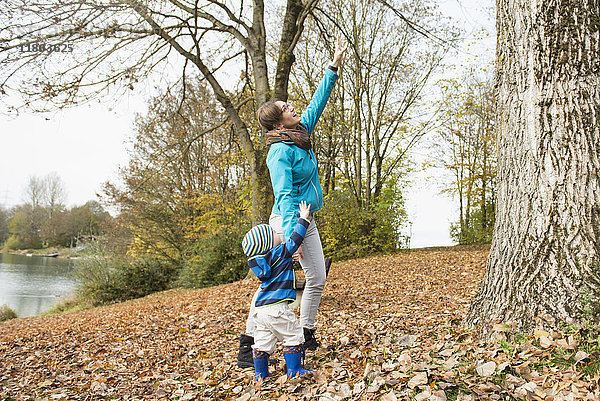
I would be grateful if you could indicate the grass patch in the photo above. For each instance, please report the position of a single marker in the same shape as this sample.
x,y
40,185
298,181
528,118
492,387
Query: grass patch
x,y
507,347
6,313
72,304
593,367
453,392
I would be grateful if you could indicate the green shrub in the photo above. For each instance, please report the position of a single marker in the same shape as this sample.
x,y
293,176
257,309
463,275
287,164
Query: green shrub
x,y
216,259
6,313
70,304
113,278
472,230
13,242
348,232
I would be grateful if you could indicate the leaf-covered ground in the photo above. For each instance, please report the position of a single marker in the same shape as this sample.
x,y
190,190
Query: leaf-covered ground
x,y
392,324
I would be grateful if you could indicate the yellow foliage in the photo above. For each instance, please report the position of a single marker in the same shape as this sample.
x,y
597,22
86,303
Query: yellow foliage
x,y
211,212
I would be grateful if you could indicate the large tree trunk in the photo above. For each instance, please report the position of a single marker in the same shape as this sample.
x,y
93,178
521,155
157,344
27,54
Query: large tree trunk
x,y
544,264
262,191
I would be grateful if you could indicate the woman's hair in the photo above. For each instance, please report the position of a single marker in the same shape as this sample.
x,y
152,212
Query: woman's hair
x,y
269,115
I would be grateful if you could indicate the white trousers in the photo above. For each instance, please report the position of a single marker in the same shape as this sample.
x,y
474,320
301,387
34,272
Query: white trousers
x,y
274,323
313,265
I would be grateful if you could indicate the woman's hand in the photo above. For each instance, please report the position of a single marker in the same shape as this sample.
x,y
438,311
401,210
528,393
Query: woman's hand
x,y
299,254
338,56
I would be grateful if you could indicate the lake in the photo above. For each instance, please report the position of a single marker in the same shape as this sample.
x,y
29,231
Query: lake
x,y
31,285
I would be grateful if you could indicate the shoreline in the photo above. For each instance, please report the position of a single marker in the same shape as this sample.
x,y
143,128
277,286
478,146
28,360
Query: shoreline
x,y
59,253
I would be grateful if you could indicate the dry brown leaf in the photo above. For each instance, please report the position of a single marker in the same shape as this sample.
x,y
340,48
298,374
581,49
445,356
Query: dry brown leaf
x,y
486,369
391,396
418,379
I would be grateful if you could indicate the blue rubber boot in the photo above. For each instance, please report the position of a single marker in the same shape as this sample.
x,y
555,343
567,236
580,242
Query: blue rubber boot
x,y
294,364
261,365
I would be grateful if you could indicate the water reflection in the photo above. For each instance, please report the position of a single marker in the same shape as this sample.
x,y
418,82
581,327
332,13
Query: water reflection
x,y
31,285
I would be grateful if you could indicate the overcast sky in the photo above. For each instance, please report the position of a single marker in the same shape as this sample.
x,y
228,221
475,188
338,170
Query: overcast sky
x,y
85,145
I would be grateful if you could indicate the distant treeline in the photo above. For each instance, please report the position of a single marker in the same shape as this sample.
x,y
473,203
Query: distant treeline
x,y
43,220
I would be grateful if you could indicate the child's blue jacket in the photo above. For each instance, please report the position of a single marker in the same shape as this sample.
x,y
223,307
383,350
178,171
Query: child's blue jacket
x,y
293,170
275,269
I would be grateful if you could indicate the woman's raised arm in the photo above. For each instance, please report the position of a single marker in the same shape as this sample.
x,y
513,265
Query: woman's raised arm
x,y
317,104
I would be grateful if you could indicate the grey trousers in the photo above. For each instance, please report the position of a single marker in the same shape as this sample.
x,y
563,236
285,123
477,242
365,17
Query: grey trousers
x,y
313,265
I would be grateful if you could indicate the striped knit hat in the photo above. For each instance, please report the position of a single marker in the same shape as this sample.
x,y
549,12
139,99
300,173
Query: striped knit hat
x,y
258,240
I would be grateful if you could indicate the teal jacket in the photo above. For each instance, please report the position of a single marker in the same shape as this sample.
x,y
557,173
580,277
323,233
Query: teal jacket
x,y
294,172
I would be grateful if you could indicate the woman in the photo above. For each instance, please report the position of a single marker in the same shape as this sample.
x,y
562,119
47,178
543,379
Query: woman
x,y
294,175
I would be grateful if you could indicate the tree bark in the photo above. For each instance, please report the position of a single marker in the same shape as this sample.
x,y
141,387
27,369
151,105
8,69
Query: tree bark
x,y
258,53
293,26
544,264
286,56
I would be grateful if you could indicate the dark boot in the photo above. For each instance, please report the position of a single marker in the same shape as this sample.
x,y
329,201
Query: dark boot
x,y
245,359
310,342
327,266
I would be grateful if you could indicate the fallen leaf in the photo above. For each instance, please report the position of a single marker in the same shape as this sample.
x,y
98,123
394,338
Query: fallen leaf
x,y
244,397
545,342
126,350
501,327
407,340
581,355
391,396
525,389
345,390
358,388
486,369
423,395
418,379
281,380
439,395
450,363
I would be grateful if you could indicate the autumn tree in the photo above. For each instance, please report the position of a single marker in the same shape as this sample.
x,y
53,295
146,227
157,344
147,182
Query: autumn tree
x,y
35,192
23,227
4,233
28,218
55,230
64,52
184,176
67,227
54,193
86,222
544,264
466,147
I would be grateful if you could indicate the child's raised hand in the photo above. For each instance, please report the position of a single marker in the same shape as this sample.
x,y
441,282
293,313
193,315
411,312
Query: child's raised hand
x,y
304,210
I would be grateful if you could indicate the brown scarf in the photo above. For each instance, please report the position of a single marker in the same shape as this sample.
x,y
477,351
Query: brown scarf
x,y
298,136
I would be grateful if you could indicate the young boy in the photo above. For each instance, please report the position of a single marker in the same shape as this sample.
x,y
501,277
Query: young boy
x,y
272,263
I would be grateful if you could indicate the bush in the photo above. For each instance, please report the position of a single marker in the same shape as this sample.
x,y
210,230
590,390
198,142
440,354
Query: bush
x,y
6,313
349,232
216,259
113,278
473,231
13,242
70,304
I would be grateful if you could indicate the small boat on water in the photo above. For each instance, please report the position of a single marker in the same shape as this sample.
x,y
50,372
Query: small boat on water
x,y
51,255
